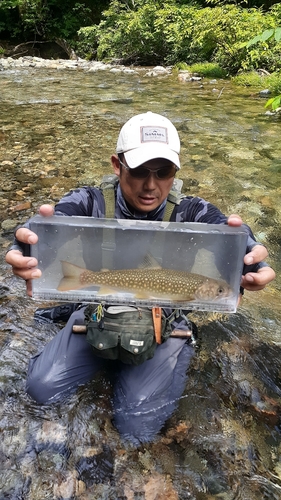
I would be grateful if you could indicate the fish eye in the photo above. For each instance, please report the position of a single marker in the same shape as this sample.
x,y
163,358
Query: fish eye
x,y
220,290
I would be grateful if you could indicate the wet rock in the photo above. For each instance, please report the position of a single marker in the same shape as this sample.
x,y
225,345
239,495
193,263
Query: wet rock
x,y
7,163
21,206
184,76
97,468
160,487
12,485
69,487
4,290
9,224
265,93
158,70
129,71
52,431
9,186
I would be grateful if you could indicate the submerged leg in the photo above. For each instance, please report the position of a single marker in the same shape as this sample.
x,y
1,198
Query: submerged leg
x,y
146,395
66,362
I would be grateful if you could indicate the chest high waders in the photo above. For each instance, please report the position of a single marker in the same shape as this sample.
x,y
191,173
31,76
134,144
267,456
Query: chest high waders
x,y
127,333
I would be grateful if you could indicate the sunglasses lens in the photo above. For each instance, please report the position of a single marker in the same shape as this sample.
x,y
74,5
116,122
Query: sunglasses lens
x,y
166,172
161,173
140,172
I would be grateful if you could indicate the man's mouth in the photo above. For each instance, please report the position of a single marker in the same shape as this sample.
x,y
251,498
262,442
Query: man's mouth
x,y
147,200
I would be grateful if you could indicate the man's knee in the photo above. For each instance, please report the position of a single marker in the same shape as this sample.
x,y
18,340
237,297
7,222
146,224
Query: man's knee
x,y
38,386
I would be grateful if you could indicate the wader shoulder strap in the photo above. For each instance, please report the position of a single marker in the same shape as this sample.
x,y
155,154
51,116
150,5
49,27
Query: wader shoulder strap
x,y
107,187
174,198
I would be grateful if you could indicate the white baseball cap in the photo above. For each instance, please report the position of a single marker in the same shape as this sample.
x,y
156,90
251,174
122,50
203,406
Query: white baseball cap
x,y
148,136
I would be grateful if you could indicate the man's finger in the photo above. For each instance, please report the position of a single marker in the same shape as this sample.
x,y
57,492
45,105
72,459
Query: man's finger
x,y
26,236
29,287
257,254
27,274
46,210
16,259
234,220
257,281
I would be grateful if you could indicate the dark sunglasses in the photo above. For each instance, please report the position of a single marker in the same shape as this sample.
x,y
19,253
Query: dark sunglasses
x,y
143,172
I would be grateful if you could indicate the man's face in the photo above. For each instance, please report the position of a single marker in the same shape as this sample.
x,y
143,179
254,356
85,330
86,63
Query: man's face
x,y
143,194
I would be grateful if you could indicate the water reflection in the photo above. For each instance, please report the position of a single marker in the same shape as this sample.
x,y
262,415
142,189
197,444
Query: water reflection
x,y
58,131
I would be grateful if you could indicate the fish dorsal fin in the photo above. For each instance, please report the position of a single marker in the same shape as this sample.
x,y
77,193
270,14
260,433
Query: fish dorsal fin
x,y
149,262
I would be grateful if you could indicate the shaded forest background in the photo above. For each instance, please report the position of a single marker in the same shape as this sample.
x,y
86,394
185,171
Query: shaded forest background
x,y
146,32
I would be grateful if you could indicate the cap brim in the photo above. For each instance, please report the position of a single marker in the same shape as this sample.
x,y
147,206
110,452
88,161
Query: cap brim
x,y
138,156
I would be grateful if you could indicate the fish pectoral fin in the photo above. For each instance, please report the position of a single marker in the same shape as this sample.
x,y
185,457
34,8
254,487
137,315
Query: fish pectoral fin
x,y
142,294
107,290
67,284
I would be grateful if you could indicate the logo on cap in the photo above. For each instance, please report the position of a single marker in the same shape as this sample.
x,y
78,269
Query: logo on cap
x,y
154,134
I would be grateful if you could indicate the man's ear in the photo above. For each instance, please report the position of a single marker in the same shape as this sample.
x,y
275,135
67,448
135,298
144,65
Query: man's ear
x,y
115,164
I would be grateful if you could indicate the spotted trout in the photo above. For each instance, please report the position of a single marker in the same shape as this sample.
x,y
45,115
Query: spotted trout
x,y
151,283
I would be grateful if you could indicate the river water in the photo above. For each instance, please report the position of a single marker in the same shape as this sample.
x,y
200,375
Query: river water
x,y
57,131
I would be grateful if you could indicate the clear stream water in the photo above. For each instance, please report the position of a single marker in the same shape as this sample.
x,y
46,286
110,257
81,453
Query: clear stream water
x,y
57,131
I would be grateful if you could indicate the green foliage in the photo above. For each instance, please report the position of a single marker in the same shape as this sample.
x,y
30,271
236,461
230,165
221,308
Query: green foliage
x,y
250,79
48,19
259,80
275,83
157,32
274,103
206,69
181,66
275,35
87,42
153,32
266,35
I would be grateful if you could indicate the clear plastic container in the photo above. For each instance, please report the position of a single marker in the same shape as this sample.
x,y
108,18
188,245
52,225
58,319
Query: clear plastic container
x,y
142,263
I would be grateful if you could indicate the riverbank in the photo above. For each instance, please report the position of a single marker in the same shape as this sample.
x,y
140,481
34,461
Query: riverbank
x,y
10,63
79,64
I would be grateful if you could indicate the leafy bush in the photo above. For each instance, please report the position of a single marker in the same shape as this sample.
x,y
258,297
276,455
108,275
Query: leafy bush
x,y
157,32
250,79
48,19
274,102
87,44
209,70
273,34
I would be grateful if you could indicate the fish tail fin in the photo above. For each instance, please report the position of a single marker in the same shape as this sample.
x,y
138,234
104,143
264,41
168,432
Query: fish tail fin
x,y
71,277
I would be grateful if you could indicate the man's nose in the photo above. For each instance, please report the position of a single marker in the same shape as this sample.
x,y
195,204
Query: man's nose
x,y
150,181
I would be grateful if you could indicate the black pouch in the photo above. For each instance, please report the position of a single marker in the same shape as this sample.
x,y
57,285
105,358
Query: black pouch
x,y
123,332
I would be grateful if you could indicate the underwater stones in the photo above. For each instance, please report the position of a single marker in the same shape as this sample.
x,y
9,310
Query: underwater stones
x,y
158,71
9,224
52,431
97,468
184,76
21,206
69,486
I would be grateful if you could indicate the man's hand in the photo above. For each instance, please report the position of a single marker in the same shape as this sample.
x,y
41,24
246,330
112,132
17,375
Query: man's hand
x,y
257,281
254,281
26,267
